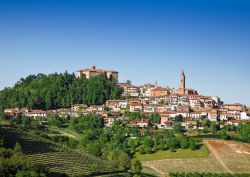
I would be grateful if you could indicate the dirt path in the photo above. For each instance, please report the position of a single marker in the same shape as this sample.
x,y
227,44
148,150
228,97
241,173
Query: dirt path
x,y
68,134
155,169
217,157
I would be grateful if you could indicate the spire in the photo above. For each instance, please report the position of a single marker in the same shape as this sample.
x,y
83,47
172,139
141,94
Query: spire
x,y
182,72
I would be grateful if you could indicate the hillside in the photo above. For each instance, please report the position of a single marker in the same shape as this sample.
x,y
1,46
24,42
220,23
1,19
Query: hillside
x,y
58,91
60,160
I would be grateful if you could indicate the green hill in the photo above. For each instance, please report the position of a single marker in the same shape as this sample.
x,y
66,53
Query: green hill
x,y
60,160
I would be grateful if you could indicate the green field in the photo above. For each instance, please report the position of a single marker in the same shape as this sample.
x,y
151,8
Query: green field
x,y
203,152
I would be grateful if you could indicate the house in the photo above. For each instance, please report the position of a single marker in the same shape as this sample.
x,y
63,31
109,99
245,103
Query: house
x,y
136,107
146,89
233,107
142,123
15,112
129,90
78,107
117,104
213,115
159,91
92,108
195,103
108,121
196,114
36,113
245,116
164,118
184,113
170,114
236,122
149,108
224,116
167,124
209,104
190,124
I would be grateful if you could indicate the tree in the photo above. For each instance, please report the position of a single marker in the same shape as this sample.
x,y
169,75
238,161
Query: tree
x,y
120,159
184,143
192,144
59,91
142,150
213,127
244,131
179,118
18,149
137,167
132,144
155,118
177,128
172,143
95,149
128,82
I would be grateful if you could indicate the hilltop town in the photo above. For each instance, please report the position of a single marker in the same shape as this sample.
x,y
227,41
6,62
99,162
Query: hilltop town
x,y
151,98
88,124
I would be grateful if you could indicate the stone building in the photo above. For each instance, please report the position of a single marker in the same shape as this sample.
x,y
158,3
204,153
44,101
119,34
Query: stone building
x,y
93,71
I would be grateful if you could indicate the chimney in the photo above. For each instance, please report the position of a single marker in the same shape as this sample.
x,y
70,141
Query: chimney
x,y
93,67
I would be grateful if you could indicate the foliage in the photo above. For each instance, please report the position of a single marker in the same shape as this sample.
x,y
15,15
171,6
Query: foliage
x,y
213,127
155,118
121,159
14,163
244,131
58,91
179,118
177,128
137,167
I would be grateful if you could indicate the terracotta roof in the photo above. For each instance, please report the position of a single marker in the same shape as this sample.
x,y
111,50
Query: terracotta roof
x,y
35,111
96,70
136,104
160,89
182,111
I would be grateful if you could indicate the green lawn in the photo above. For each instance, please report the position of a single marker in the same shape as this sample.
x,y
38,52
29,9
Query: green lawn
x,y
179,154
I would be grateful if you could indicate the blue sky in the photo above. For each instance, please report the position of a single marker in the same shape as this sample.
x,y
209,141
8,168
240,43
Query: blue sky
x,y
145,40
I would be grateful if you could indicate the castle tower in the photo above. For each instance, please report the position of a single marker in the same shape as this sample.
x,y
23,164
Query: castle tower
x,y
182,82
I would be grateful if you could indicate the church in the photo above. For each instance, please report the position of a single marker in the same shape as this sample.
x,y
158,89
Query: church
x,y
182,88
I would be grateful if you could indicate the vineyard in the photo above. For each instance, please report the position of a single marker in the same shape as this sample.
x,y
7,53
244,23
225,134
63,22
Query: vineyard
x,y
225,157
60,160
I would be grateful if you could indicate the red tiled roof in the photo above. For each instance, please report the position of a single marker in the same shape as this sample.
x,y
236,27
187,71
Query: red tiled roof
x,y
136,104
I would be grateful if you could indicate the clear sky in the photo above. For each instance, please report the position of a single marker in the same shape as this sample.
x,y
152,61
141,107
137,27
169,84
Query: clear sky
x,y
145,40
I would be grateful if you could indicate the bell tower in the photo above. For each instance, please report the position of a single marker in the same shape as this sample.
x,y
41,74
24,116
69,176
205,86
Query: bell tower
x,y
182,80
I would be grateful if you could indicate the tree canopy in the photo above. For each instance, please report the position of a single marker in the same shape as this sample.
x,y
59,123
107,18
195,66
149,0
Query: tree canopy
x,y
58,91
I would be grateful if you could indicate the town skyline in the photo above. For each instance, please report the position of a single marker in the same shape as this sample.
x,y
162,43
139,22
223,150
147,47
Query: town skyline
x,y
182,83
145,41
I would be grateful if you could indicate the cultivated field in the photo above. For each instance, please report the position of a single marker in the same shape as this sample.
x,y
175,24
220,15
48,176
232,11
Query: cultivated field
x,y
225,157
58,159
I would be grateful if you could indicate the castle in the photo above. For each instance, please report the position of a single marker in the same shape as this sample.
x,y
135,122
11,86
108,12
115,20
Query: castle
x,y
93,71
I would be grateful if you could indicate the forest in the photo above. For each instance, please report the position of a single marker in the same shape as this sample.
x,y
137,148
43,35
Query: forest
x,y
58,91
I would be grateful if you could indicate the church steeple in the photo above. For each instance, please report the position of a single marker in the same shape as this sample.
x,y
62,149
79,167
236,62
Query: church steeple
x,y
182,80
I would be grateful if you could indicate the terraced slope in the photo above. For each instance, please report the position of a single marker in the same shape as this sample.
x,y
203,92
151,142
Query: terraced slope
x,y
60,160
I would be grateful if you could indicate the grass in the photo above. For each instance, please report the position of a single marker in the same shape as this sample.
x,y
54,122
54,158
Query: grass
x,y
66,132
150,171
203,152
